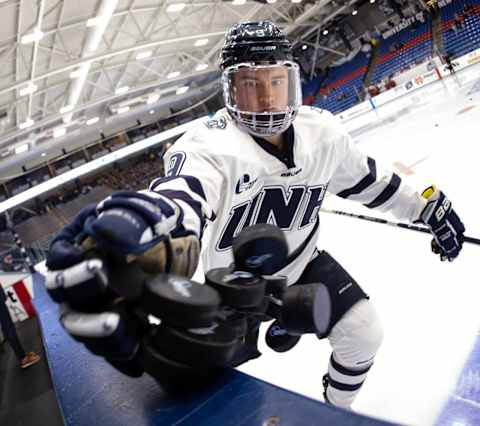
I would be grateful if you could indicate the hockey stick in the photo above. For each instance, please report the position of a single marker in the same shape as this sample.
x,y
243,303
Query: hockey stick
x,y
396,224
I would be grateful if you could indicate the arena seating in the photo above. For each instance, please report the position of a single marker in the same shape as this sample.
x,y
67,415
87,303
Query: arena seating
x,y
66,212
461,27
408,47
344,85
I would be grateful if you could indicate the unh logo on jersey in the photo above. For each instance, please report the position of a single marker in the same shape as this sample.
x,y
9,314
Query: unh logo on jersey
x,y
244,184
221,123
295,207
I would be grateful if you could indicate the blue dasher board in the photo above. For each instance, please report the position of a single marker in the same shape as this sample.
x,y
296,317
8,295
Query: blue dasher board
x,y
91,392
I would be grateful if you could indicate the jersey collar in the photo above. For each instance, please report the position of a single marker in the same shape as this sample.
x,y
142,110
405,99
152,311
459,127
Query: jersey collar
x,y
285,155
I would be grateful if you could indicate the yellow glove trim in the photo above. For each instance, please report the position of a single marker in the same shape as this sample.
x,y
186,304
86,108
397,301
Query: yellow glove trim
x,y
427,193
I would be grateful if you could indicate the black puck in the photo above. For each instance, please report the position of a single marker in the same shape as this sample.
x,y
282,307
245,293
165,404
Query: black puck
x,y
179,301
238,289
174,376
278,339
213,346
260,249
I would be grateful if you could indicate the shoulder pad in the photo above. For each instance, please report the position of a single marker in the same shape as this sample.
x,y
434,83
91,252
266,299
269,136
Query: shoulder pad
x,y
217,123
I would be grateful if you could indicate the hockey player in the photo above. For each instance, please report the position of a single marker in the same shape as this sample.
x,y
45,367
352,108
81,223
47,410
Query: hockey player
x,y
264,158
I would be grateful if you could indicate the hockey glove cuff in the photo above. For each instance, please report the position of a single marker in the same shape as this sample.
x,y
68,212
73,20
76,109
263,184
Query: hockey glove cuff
x,y
445,225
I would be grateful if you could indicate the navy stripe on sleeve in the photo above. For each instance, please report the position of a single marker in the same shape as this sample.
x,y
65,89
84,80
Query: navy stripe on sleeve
x,y
364,183
182,195
192,182
387,193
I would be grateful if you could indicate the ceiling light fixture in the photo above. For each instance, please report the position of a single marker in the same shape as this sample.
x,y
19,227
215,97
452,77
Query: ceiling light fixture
x,y
354,12
28,89
59,131
182,90
201,42
176,7
121,110
325,32
22,148
32,37
238,2
65,109
95,21
173,74
121,90
75,74
26,124
144,55
201,67
92,120
154,97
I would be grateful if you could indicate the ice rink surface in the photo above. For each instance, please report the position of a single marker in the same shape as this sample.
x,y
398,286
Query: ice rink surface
x,y
430,309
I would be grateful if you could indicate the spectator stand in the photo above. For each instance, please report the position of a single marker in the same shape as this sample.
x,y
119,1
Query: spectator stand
x,y
460,27
400,51
343,86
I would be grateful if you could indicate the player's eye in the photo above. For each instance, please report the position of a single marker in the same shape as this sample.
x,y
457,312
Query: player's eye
x,y
278,82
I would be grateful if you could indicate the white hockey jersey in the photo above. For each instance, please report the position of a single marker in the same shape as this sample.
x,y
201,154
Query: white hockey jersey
x,y
225,180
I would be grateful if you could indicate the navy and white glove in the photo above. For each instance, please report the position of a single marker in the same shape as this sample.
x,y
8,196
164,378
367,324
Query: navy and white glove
x,y
96,265
445,225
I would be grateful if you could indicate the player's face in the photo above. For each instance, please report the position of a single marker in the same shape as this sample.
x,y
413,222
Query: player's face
x,y
261,90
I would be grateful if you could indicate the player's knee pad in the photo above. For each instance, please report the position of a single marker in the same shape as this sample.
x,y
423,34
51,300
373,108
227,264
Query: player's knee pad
x,y
356,338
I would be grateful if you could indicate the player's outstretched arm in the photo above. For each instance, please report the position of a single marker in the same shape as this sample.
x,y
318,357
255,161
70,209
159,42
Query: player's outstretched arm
x,y
157,230
361,179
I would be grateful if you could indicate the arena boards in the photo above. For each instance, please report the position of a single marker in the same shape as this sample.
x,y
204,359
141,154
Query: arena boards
x,y
90,392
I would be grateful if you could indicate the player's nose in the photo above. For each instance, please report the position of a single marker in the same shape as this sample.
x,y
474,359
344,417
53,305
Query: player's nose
x,y
266,97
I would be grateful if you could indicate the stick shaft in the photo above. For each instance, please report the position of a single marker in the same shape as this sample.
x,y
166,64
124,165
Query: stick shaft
x,y
416,228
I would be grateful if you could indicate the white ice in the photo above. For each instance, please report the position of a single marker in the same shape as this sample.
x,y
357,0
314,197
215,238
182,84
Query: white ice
x,y
429,308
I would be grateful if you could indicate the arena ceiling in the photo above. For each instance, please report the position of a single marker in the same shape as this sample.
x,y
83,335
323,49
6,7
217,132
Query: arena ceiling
x,y
70,64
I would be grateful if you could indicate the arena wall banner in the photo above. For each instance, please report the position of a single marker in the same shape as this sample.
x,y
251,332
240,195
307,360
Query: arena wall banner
x,y
425,78
404,23
472,57
423,68
19,291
